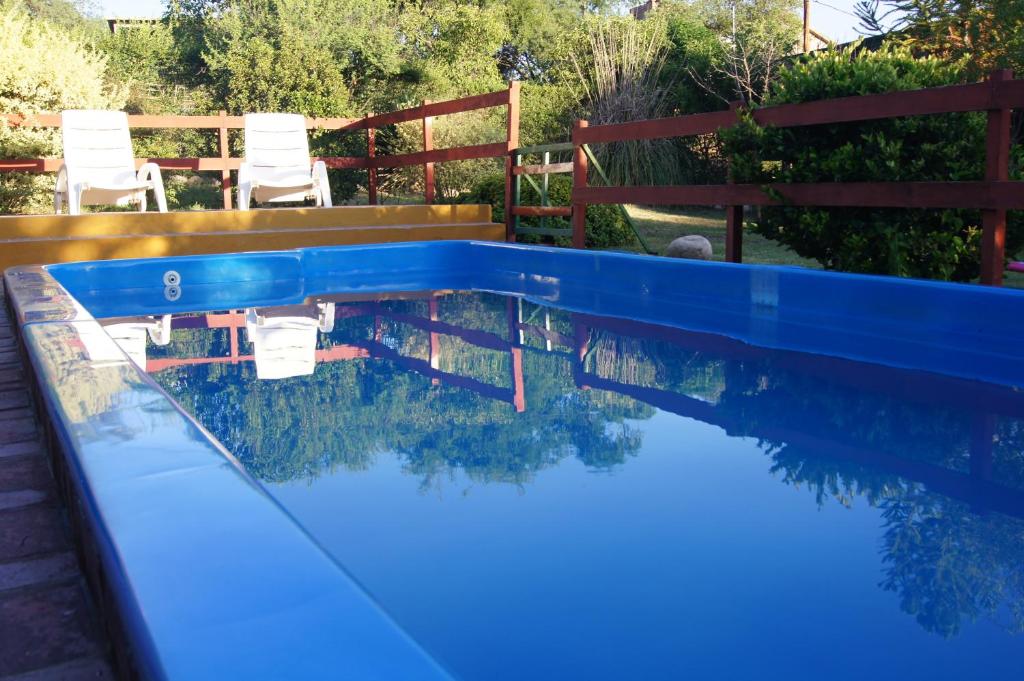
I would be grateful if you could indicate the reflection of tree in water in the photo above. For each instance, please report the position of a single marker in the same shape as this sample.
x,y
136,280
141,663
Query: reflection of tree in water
x,y
348,412
946,562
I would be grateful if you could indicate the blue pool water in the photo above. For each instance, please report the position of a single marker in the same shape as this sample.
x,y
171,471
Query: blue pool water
x,y
537,493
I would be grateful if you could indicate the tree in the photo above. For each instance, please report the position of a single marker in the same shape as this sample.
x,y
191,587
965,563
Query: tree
x,y
45,68
939,244
754,38
982,34
141,60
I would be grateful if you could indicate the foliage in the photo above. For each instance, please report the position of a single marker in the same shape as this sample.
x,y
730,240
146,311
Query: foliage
x,y
140,60
917,243
755,38
45,68
79,16
618,68
606,228
546,113
694,48
982,34
261,60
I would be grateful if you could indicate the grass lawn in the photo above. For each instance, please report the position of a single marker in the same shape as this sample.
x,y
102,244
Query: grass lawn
x,y
660,226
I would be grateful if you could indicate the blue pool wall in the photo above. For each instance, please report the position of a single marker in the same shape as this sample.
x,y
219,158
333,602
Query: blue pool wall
x,y
212,579
968,331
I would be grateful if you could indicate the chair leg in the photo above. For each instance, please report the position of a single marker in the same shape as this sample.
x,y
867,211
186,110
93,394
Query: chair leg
x,y
142,203
244,195
74,201
58,202
161,196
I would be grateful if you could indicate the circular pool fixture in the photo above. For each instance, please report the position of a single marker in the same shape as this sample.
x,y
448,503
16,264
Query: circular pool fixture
x,y
172,293
171,278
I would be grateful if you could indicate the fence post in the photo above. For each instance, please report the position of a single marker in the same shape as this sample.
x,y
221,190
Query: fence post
x,y
512,143
997,169
428,168
371,181
579,181
733,214
225,153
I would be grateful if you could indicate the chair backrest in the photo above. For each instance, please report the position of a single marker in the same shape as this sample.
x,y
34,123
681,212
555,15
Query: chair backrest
x,y
276,146
97,145
283,340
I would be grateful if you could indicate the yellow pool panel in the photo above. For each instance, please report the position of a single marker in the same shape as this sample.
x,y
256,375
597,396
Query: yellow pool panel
x,y
43,239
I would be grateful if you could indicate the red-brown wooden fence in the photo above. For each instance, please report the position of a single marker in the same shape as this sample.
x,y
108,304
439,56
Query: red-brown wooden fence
x,y
994,195
225,163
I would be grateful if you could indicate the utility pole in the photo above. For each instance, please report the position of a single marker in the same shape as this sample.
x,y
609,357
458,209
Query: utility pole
x,y
807,26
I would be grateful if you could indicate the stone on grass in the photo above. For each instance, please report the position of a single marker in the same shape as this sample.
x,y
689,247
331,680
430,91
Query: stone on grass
x,y
692,246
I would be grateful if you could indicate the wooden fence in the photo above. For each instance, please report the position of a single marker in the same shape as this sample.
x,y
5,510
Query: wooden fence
x,y
994,195
225,163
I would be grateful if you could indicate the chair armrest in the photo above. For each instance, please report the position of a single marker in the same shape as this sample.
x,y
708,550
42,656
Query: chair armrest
x,y
149,171
244,172
321,182
62,178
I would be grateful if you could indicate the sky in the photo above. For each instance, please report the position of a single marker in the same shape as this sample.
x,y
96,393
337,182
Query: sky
x,y
834,18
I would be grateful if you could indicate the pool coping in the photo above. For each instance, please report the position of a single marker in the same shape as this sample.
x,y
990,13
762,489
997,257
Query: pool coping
x,y
249,625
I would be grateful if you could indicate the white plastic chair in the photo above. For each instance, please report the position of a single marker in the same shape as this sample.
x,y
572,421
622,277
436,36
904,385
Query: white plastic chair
x,y
130,334
99,164
277,164
284,338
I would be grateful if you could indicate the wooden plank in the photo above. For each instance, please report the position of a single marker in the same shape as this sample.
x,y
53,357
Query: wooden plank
x,y
579,187
976,195
542,211
543,169
225,154
927,101
544,231
676,126
493,150
734,234
734,213
205,164
451,106
343,162
546,148
428,168
371,180
511,159
52,120
52,165
997,168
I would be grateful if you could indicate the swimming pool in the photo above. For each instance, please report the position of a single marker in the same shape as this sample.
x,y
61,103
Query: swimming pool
x,y
496,461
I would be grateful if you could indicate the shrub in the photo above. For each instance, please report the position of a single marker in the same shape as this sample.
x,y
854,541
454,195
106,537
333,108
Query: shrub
x,y
940,244
606,228
44,68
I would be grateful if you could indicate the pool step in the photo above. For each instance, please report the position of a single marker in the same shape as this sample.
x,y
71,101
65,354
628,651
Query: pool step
x,y
45,239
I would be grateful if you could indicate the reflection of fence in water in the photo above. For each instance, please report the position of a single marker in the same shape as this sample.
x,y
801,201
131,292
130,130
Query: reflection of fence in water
x,y
975,486
375,348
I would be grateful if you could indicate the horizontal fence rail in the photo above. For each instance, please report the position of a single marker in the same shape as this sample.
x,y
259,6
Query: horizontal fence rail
x,y
225,163
993,196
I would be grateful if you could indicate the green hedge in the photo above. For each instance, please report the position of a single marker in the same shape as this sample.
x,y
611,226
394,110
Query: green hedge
x,y
606,228
938,244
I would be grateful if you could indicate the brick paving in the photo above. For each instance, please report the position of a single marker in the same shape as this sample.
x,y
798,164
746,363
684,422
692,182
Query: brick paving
x,y
49,630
